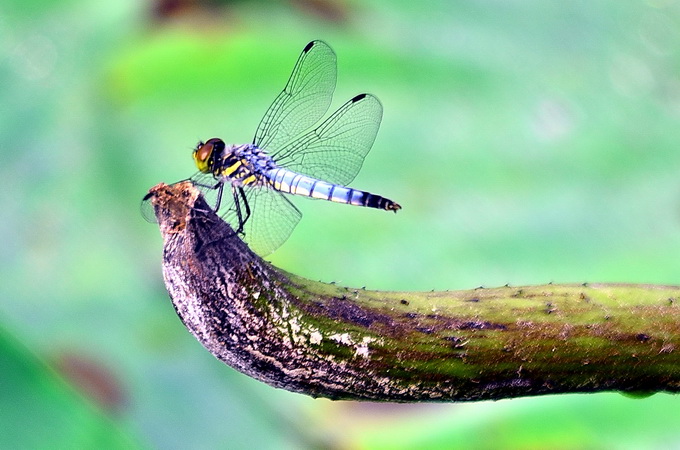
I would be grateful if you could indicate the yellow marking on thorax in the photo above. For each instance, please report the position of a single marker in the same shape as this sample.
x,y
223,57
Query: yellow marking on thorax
x,y
231,169
249,180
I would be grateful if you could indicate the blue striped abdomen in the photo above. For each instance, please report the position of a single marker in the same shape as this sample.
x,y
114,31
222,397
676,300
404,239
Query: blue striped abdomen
x,y
291,182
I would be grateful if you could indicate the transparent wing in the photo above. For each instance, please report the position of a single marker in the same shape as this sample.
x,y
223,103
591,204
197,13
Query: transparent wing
x,y
335,150
206,182
147,209
272,217
304,100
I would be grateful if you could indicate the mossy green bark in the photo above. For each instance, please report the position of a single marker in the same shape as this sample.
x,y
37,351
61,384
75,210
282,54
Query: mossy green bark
x,y
343,343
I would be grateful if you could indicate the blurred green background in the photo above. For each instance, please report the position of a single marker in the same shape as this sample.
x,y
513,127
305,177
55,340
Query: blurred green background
x,y
527,141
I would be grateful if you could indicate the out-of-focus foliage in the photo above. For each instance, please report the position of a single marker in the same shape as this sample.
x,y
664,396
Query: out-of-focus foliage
x,y
39,410
527,142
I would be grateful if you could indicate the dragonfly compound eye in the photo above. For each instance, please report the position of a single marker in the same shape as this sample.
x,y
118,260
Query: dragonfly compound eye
x,y
202,156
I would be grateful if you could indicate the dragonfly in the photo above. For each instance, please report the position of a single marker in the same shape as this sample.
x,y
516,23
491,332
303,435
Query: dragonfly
x,y
292,154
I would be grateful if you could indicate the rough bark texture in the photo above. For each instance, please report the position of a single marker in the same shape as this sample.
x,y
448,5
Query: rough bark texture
x,y
341,343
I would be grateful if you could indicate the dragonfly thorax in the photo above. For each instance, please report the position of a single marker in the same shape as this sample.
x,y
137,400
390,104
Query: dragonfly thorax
x,y
241,164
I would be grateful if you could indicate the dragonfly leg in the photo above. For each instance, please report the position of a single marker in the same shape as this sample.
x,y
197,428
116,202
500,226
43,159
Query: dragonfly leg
x,y
237,206
220,188
240,198
245,203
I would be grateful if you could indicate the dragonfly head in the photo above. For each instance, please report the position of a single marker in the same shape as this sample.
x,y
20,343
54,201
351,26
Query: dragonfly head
x,y
206,153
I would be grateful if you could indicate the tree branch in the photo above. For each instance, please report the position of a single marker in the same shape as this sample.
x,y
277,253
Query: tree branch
x,y
329,341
